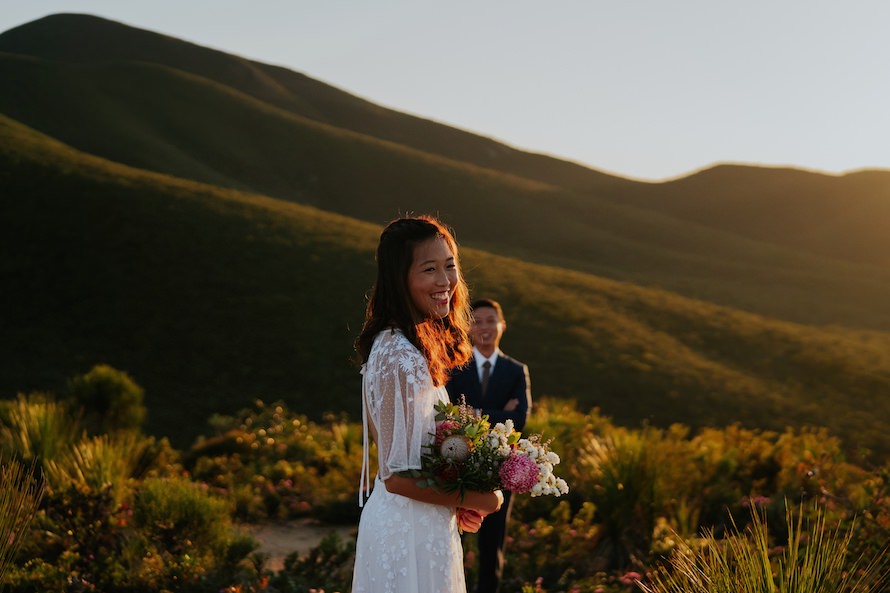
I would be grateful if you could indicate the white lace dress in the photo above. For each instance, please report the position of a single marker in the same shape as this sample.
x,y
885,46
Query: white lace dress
x,y
404,546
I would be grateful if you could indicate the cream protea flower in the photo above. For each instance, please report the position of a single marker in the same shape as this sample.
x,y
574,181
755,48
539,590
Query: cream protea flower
x,y
455,448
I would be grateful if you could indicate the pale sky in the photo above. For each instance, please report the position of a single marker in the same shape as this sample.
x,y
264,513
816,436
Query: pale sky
x,y
647,89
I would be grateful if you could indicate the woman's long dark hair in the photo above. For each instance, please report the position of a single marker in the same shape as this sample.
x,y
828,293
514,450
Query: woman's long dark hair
x,y
443,342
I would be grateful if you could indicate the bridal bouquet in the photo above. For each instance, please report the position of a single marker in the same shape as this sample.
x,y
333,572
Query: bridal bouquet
x,y
467,453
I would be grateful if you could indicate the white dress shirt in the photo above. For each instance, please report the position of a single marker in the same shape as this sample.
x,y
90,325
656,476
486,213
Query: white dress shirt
x,y
480,360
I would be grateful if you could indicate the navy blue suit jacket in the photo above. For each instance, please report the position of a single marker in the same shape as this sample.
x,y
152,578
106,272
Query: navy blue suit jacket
x,y
509,380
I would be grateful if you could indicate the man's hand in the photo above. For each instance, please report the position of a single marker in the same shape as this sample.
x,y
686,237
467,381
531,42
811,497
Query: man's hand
x,y
469,520
511,405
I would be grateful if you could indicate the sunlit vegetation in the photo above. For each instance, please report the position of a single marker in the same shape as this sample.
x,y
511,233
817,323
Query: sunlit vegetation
x,y
815,558
20,494
134,514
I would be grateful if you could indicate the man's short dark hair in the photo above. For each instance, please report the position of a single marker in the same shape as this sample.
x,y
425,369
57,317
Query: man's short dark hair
x,y
478,303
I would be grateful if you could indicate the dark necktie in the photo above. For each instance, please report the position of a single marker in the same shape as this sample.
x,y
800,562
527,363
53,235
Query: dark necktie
x,y
486,372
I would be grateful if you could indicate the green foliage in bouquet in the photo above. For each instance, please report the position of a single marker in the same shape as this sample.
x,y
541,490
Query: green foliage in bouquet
x,y
461,457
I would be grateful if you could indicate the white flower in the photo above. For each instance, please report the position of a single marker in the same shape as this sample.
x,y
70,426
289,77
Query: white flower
x,y
562,486
552,457
537,489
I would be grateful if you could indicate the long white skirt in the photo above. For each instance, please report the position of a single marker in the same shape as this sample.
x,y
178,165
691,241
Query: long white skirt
x,y
406,546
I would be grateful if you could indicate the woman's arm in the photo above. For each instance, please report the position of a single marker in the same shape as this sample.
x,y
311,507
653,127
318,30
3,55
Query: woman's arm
x,y
484,502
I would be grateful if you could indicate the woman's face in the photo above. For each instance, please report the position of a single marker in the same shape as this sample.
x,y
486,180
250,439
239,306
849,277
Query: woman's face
x,y
432,278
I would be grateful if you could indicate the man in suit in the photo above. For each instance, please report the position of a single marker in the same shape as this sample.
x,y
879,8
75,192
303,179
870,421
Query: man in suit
x,y
498,386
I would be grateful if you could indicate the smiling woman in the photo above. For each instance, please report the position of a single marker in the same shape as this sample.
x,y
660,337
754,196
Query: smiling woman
x,y
432,278
415,332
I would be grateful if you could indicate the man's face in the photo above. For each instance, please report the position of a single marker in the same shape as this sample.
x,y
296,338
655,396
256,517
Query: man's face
x,y
487,328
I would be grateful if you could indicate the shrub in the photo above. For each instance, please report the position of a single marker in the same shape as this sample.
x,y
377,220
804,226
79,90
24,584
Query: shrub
x,y
292,467
174,536
73,541
111,400
181,517
618,473
327,567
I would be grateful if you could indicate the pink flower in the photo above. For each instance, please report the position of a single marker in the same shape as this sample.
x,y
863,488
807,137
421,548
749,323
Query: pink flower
x,y
519,473
443,430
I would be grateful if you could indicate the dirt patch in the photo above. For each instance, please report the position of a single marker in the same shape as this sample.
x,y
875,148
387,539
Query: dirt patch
x,y
278,540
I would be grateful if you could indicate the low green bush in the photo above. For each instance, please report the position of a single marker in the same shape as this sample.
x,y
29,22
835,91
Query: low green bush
x,y
110,399
275,464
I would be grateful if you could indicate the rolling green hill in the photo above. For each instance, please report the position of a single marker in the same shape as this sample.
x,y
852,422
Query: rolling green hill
x,y
210,296
779,206
840,216
170,121
89,39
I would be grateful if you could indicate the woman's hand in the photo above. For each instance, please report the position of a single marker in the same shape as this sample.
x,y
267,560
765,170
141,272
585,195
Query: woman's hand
x,y
468,520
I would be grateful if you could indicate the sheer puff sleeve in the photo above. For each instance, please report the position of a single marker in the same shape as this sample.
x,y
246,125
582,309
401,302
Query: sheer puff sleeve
x,y
399,401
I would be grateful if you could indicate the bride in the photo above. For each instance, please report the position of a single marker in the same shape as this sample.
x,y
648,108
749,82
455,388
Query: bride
x,y
415,331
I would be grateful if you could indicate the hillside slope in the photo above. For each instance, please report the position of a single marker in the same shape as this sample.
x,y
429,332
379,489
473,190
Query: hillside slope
x,y
90,39
782,207
209,297
839,216
165,120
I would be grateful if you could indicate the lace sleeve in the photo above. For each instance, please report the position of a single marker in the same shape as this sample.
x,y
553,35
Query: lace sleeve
x,y
400,400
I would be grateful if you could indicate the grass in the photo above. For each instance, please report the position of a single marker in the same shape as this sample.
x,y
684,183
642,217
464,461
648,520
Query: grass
x,y
21,491
97,462
37,427
815,560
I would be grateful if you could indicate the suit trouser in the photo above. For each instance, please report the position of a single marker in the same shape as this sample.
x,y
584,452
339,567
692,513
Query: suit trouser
x,y
492,535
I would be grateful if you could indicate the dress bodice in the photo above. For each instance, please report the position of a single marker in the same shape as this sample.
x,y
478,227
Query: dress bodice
x,y
398,398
